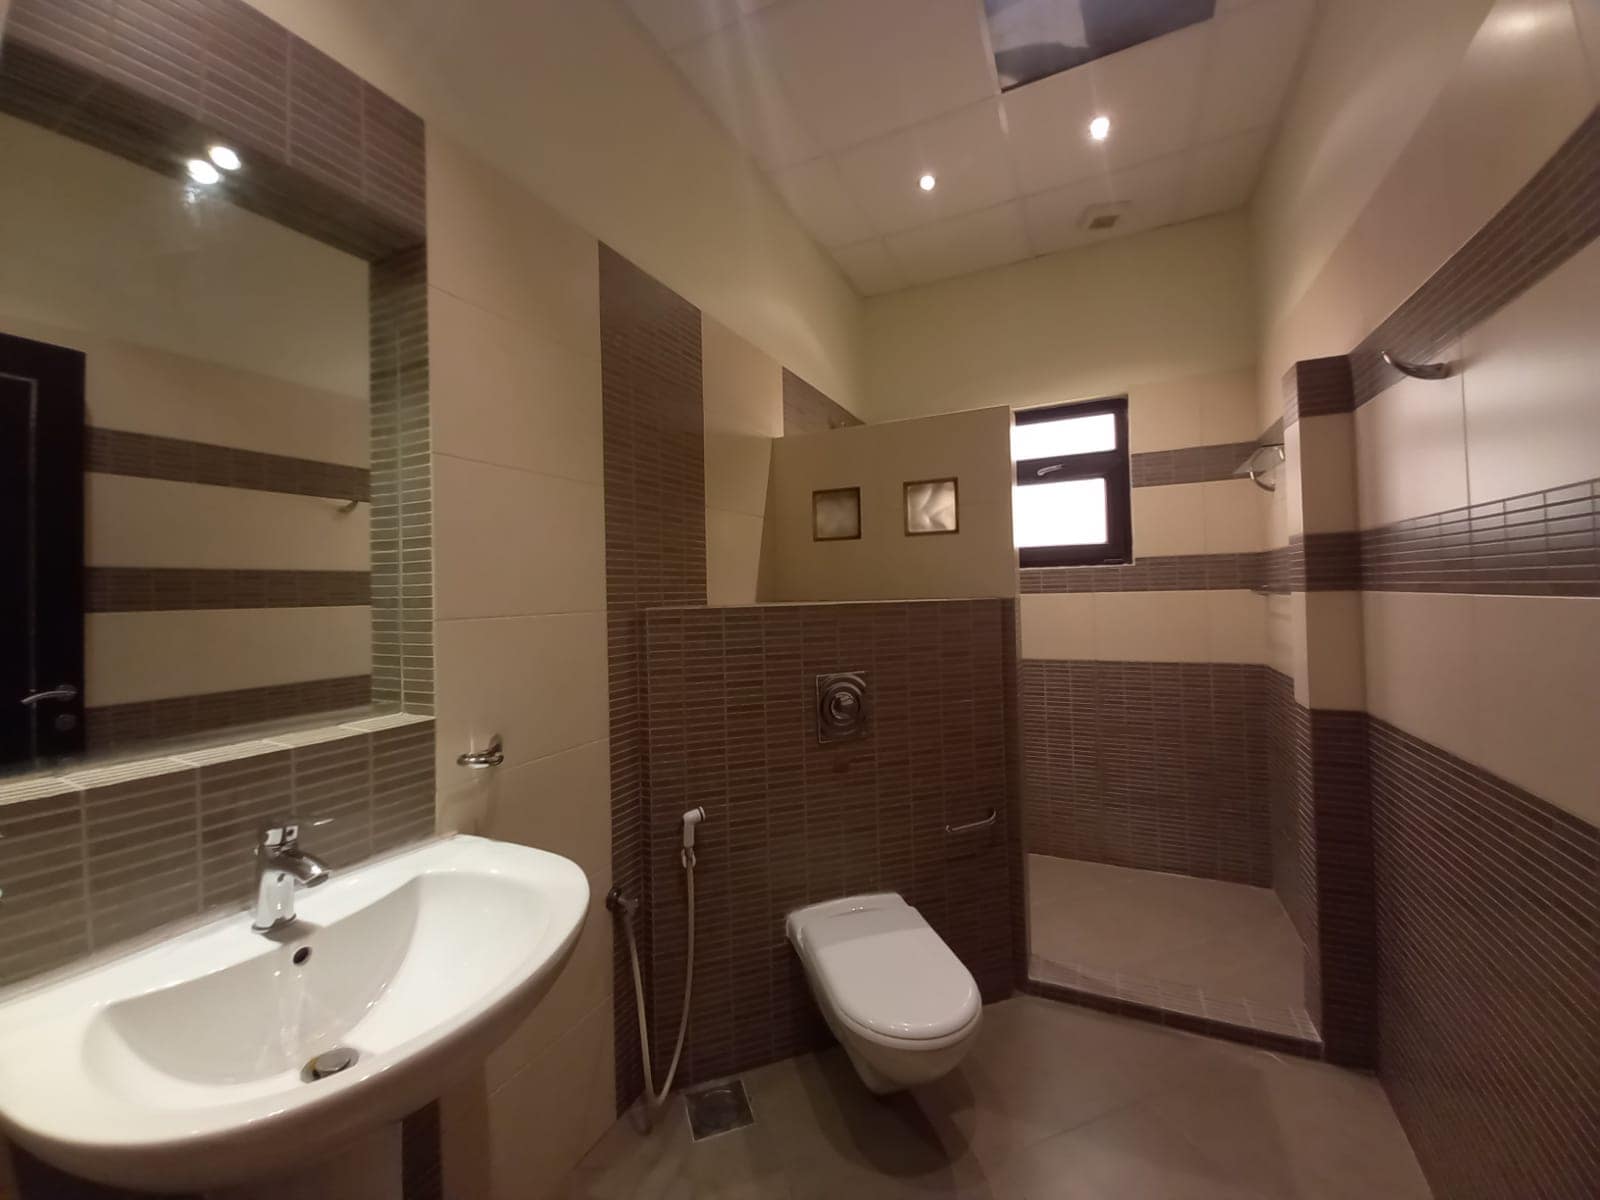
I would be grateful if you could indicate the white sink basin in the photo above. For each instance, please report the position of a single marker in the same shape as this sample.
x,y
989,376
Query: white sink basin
x,y
180,1067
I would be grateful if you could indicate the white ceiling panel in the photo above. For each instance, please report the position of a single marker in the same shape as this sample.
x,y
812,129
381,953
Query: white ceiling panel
x,y
733,76
859,69
869,267
818,197
1220,176
1055,218
846,103
961,244
675,23
965,152
1253,61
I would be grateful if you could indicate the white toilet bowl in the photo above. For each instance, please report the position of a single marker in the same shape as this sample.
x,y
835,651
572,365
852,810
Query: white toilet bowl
x,y
897,998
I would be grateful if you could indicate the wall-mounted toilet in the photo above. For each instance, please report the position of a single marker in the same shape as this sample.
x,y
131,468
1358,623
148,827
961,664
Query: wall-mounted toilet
x,y
898,999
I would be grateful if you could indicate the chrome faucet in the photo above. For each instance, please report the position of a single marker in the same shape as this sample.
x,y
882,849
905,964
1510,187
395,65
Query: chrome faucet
x,y
281,868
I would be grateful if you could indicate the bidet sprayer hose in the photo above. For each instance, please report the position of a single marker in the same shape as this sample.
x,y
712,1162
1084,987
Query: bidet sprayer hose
x,y
654,1099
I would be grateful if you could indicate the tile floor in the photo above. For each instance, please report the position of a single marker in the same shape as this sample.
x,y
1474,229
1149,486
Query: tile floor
x,y
1053,1103
1215,949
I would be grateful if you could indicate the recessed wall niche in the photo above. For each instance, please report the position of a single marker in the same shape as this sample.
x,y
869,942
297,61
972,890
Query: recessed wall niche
x,y
836,515
932,506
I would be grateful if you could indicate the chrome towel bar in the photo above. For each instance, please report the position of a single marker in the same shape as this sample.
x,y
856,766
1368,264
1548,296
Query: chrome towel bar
x,y
974,826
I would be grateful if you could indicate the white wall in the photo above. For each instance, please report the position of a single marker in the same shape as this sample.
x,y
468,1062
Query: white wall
x,y
570,98
1156,306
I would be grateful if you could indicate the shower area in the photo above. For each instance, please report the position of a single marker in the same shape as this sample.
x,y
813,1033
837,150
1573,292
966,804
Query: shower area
x,y
1163,844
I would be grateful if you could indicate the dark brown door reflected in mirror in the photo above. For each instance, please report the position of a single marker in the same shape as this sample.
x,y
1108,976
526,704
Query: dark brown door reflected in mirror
x,y
41,551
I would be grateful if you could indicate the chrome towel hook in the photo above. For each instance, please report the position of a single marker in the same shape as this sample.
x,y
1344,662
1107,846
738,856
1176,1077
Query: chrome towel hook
x,y
1417,370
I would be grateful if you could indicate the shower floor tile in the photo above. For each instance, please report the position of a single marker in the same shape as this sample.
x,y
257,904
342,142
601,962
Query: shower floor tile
x,y
1200,946
1053,1102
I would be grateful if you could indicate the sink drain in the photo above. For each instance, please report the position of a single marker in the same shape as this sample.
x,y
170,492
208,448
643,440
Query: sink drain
x,y
329,1062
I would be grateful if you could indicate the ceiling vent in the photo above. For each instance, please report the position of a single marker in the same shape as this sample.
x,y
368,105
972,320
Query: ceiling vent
x,y
1098,218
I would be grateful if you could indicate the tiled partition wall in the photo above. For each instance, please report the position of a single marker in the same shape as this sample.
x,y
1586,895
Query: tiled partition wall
x,y
732,726
1441,758
1144,692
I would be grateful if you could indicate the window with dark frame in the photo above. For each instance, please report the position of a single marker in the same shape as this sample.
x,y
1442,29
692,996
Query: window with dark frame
x,y
1071,506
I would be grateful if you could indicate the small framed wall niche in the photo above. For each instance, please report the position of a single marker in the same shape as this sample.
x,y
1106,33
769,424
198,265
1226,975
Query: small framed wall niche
x,y
932,506
836,515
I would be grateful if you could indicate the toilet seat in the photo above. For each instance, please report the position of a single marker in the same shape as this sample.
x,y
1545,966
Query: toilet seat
x,y
885,973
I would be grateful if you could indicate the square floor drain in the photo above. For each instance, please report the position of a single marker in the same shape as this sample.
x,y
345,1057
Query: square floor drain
x,y
718,1108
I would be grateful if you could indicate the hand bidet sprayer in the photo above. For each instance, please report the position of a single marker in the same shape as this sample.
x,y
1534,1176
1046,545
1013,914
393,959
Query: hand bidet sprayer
x,y
690,819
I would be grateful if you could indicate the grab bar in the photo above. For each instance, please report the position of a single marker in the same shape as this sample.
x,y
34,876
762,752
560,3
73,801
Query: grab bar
x,y
974,826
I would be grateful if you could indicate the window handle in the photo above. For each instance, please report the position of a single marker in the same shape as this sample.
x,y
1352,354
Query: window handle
x,y
1047,470
65,692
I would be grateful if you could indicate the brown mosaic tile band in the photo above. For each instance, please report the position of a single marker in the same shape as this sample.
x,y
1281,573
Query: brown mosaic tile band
x,y
1161,766
120,725
808,410
1538,544
1554,215
1293,818
146,456
732,723
1158,573
654,450
190,822
1317,387
1194,464
162,589
400,530
326,153
1488,932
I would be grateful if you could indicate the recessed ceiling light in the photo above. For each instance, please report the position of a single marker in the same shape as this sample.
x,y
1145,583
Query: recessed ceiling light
x,y
1100,128
203,172
926,183
225,157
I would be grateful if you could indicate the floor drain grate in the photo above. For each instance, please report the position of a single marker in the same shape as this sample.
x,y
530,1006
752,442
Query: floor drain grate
x,y
718,1108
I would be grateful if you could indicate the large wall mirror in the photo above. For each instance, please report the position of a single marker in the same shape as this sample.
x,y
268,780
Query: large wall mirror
x,y
213,469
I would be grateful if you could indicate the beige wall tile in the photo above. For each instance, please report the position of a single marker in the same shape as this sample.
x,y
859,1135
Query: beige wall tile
x,y
1236,513
1169,520
1535,668
1532,421
1419,664
1411,450
743,388
561,804
1335,666
508,542
1287,482
494,244
1236,627
733,557
1278,623
1518,93
1197,410
736,469
154,655
1058,626
1327,473
133,522
568,1096
539,682
1151,627
504,395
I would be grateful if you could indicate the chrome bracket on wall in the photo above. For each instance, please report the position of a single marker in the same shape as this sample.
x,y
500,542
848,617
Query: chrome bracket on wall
x,y
1417,370
841,706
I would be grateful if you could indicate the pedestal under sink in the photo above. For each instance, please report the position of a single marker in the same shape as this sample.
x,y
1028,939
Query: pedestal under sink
x,y
224,1061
